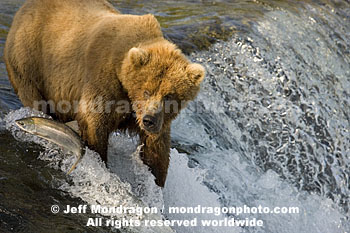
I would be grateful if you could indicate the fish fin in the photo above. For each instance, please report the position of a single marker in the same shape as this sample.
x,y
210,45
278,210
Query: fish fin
x,y
74,126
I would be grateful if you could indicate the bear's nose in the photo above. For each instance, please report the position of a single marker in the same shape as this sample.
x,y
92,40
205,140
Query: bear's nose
x,y
149,121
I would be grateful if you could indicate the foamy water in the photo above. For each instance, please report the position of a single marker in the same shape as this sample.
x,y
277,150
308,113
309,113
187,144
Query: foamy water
x,y
239,183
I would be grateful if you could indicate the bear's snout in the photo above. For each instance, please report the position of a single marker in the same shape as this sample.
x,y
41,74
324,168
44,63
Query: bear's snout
x,y
153,122
152,116
149,121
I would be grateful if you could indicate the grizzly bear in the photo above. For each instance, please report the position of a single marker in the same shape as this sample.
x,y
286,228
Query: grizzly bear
x,y
85,61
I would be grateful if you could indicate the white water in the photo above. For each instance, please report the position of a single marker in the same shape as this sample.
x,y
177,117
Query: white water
x,y
240,182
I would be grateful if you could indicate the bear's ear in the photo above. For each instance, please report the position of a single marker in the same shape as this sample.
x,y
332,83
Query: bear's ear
x,y
138,56
196,72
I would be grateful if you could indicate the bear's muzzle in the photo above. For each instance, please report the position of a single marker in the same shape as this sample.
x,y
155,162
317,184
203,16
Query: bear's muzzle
x,y
153,118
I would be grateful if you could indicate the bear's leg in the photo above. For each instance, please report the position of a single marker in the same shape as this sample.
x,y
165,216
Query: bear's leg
x,y
26,89
94,131
94,122
155,154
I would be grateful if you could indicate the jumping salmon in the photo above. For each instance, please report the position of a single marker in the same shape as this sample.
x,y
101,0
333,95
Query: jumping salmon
x,y
58,133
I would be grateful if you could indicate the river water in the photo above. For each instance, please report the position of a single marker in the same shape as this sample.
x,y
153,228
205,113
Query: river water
x,y
270,126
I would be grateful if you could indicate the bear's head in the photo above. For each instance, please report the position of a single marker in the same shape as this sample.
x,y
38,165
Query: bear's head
x,y
159,81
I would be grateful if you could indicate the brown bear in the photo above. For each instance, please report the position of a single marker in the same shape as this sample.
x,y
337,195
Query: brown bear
x,y
85,61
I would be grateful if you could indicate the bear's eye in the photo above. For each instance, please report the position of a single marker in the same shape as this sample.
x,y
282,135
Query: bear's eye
x,y
146,94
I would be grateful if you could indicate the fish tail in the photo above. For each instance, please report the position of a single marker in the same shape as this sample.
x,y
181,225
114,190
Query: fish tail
x,y
82,151
74,165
